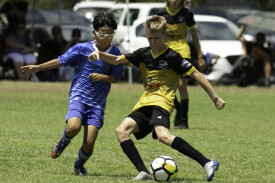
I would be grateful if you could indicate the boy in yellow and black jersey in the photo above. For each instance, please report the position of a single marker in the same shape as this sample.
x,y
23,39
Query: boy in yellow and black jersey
x,y
177,24
179,19
162,75
161,68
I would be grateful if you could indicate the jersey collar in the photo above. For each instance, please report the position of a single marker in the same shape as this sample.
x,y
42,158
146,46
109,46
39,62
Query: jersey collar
x,y
107,51
155,56
172,14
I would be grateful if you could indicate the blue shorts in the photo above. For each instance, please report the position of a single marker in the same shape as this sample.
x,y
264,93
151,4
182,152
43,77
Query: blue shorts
x,y
88,115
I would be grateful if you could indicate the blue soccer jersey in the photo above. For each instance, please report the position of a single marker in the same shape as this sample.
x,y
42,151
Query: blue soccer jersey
x,y
83,89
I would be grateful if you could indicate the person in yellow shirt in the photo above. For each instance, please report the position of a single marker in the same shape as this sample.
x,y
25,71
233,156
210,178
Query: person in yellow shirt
x,y
161,69
179,17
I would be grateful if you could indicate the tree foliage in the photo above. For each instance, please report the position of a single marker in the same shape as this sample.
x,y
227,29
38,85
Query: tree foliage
x,y
268,5
47,4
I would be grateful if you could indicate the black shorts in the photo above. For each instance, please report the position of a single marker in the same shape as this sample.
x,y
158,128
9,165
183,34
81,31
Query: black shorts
x,y
146,117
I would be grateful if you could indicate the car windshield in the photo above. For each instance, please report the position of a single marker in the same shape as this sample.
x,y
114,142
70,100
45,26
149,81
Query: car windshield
x,y
205,31
154,11
117,13
93,11
65,17
133,15
215,31
140,31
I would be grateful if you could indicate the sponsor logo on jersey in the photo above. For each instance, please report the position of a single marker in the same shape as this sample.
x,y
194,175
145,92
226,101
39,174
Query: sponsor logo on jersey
x,y
185,64
162,64
181,19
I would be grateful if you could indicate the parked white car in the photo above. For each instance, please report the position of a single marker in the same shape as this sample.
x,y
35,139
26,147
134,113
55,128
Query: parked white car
x,y
90,8
137,11
217,37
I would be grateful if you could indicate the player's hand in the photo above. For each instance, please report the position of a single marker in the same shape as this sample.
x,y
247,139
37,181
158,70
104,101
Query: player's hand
x,y
30,69
201,64
94,56
219,103
95,77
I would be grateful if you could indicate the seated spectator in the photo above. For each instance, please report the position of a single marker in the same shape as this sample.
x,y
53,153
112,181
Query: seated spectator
x,y
15,11
54,47
75,38
260,54
20,49
67,73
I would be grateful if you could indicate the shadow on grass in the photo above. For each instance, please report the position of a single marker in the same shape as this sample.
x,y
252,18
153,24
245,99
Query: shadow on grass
x,y
196,128
105,175
132,176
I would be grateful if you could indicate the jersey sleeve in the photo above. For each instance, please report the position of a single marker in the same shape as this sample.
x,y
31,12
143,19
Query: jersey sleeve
x,y
70,56
190,20
117,71
180,65
134,58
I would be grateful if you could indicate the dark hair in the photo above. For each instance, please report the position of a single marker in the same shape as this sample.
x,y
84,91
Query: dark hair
x,y
20,25
104,19
76,32
56,28
260,36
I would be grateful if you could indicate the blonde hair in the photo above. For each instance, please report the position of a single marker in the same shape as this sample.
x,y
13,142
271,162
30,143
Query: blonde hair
x,y
155,24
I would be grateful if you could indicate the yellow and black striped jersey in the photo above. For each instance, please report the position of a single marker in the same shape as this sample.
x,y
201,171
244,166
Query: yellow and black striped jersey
x,y
161,75
177,24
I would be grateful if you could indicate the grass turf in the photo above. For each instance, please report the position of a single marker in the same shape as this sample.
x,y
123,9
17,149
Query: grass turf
x,y
241,136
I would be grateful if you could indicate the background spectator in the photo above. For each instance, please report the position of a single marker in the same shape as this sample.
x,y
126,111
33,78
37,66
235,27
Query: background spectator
x,y
15,11
50,50
67,73
75,38
179,19
259,53
20,49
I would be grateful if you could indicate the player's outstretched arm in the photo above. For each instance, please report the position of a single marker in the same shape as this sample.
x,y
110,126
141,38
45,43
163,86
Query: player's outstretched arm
x,y
219,103
102,77
52,64
106,57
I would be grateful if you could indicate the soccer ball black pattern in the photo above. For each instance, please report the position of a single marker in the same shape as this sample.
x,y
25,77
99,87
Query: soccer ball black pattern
x,y
164,168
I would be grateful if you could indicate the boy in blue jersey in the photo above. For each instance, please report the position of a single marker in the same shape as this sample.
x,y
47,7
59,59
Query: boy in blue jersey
x,y
89,88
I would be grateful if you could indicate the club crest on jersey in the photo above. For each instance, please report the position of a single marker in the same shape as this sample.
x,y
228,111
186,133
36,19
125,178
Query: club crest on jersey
x,y
162,64
185,64
181,19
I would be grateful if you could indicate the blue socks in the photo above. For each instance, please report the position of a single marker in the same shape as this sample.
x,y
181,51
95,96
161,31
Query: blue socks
x,y
82,155
82,158
64,142
65,139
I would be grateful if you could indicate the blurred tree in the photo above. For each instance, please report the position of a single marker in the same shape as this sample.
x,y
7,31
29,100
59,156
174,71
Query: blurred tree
x,y
53,3
267,5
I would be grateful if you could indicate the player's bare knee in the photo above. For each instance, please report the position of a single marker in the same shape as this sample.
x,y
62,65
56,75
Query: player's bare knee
x,y
73,129
119,132
163,138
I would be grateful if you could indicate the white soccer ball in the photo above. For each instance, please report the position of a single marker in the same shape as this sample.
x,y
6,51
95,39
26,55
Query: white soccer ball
x,y
164,168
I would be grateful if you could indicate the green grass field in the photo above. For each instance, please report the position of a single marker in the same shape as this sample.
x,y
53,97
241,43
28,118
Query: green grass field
x,y
241,136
